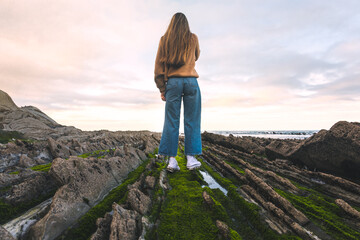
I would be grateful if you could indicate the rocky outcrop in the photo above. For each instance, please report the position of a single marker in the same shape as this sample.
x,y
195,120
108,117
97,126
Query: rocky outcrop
x,y
276,198
5,235
6,103
125,224
103,228
39,184
84,182
335,151
244,144
223,229
139,201
280,149
348,209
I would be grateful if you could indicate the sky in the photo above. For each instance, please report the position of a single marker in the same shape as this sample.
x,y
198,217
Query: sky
x,y
264,65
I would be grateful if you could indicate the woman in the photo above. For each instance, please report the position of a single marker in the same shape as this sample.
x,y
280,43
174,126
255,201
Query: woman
x,y
176,78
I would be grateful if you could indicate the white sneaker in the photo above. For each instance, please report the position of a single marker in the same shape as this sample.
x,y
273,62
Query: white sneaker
x,y
173,165
192,163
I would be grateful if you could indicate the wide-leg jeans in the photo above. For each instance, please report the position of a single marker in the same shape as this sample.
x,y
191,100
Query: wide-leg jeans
x,y
186,88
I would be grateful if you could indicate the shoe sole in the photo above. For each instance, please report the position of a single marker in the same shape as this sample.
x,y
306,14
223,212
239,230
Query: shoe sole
x,y
169,169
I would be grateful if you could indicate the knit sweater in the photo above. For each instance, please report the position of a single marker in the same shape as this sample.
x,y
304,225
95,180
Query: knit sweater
x,y
186,70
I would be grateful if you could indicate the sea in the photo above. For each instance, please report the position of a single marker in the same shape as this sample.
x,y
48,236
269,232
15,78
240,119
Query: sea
x,y
278,134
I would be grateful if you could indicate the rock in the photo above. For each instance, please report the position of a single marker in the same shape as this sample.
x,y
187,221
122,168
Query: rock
x,y
118,153
85,182
245,144
4,234
57,149
138,201
26,162
145,223
33,187
280,149
8,179
223,229
163,181
207,199
335,151
276,198
347,208
103,228
126,224
6,103
285,183
150,182
225,167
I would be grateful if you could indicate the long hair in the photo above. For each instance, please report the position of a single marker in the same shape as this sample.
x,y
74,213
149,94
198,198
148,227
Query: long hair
x,y
176,44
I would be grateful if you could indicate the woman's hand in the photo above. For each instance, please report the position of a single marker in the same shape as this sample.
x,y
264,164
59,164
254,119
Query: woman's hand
x,y
163,96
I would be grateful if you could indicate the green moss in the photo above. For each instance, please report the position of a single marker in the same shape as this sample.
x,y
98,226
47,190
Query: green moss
x,y
323,212
183,214
86,225
152,155
232,163
7,136
15,172
8,211
246,217
234,235
97,153
42,167
5,189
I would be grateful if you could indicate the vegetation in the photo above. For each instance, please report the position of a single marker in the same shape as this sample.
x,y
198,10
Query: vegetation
x,y
246,219
86,225
323,211
97,153
184,215
7,136
8,211
42,167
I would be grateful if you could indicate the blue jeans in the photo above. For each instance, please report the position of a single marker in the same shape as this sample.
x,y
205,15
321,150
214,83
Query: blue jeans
x,y
188,89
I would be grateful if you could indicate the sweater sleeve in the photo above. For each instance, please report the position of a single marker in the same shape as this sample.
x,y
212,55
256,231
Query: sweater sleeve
x,y
197,48
159,70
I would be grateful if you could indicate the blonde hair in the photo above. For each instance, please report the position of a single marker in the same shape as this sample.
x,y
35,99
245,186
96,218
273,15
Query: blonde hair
x,y
176,43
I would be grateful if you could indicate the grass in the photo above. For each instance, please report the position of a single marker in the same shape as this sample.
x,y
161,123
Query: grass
x,y
323,211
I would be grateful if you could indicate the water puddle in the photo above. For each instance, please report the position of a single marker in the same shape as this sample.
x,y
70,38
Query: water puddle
x,y
19,225
318,181
212,182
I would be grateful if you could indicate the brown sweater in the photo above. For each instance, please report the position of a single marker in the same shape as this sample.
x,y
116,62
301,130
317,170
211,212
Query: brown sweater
x,y
186,70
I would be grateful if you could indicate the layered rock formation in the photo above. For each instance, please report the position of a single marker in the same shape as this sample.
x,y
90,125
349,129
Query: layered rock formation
x,y
110,185
335,151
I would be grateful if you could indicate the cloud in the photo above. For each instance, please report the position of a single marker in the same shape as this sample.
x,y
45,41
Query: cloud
x,y
94,60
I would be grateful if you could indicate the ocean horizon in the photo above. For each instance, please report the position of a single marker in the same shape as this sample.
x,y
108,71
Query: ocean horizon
x,y
277,134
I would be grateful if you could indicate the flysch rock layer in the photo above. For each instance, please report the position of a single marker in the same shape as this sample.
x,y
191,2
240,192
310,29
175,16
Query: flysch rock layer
x,y
84,183
336,150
